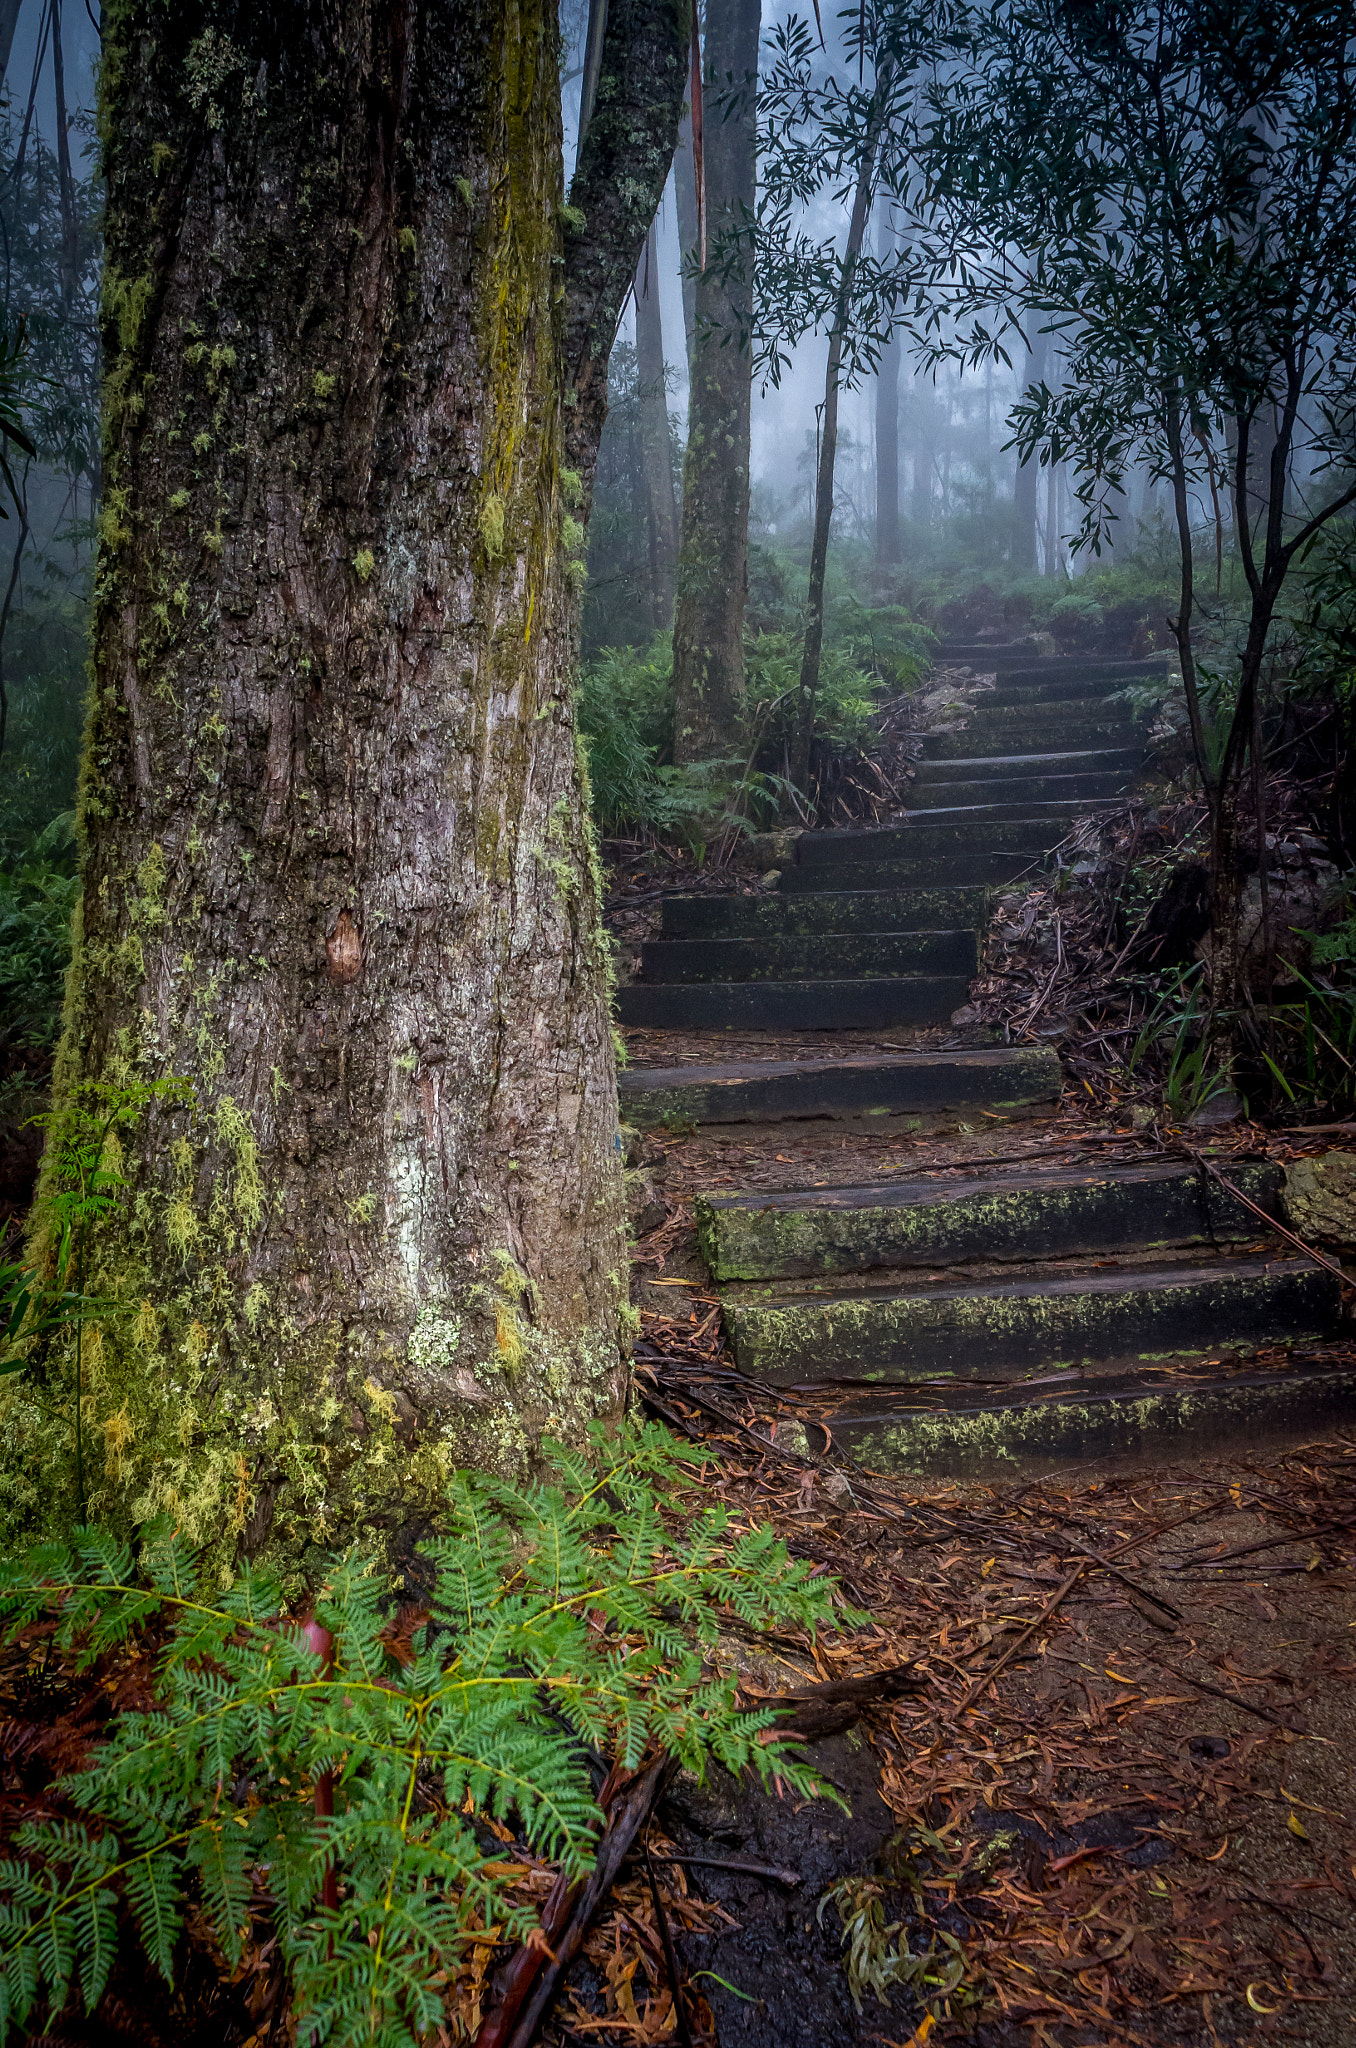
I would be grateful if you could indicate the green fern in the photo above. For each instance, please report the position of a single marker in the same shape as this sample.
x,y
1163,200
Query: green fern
x,y
563,1620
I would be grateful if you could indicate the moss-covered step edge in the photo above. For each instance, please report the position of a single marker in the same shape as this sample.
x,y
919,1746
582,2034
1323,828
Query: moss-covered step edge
x,y
792,1005
881,843
950,870
1080,677
1010,1079
837,910
1019,1215
816,956
989,768
1084,787
1096,668
1095,1424
1005,1327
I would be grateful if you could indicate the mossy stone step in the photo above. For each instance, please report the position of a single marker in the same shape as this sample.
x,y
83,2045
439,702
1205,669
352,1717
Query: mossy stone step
x,y
990,734
1006,1080
1001,768
837,910
1013,792
1030,688
818,956
847,1005
1006,1327
959,871
1020,1214
1078,676
1109,1420
929,836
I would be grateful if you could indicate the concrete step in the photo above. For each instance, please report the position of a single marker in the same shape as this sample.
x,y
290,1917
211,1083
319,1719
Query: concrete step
x,y
1007,1080
1030,687
1002,767
856,1005
1013,1214
1082,674
999,1329
835,910
928,837
1110,1418
818,956
986,868
1088,788
992,733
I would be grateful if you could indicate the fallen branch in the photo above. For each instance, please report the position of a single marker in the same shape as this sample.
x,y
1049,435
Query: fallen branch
x,y
529,1981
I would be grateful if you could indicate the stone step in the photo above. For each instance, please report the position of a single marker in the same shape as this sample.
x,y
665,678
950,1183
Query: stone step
x,y
1052,817
818,956
1007,1080
994,733
1019,1214
1002,767
1079,674
1094,786
930,837
949,870
1110,1418
999,1329
1029,687
850,1005
834,910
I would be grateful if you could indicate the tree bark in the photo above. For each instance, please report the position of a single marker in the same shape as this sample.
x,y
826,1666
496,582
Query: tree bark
x,y
661,504
336,850
713,553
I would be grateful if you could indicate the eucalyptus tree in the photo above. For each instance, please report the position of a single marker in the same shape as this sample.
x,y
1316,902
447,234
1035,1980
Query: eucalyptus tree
x,y
1180,177
337,875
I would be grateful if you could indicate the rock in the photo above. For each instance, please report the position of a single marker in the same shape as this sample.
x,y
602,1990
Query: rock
x,y
773,849
968,1013
646,1208
770,880
793,1438
639,1149
1320,1198
1223,1108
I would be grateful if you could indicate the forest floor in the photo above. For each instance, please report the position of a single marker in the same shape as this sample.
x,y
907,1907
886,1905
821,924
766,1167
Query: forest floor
x,y
1139,1830
1113,1805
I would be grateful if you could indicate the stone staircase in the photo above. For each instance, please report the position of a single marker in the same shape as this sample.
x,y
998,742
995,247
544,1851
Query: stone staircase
x,y
1016,1314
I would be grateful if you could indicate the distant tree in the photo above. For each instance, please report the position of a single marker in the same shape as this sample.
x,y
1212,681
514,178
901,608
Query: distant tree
x,y
1182,177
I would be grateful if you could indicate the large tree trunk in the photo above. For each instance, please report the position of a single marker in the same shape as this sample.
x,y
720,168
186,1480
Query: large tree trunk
x,y
661,504
336,847
9,21
713,555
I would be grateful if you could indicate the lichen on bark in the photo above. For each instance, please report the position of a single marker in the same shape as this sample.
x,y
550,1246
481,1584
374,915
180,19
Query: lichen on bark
x,y
335,839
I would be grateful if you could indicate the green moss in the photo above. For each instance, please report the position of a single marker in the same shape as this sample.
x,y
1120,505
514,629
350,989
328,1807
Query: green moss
x,y
364,562
323,384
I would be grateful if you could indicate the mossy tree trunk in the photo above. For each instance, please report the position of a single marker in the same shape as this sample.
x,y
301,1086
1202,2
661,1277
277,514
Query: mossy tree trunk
x,y
713,547
661,503
337,861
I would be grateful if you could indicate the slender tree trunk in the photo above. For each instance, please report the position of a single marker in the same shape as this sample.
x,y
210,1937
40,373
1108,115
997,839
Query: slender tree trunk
x,y
70,238
887,443
336,848
713,556
1026,485
685,198
9,21
828,449
661,504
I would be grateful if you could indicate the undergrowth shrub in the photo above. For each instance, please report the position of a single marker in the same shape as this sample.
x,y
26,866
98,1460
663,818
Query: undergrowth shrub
x,y
557,1625
37,900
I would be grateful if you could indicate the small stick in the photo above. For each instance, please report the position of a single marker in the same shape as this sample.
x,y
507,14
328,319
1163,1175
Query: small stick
x,y
743,1866
1025,1637
670,1959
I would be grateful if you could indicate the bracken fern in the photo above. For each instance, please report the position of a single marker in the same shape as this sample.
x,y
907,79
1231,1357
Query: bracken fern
x,y
561,1621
